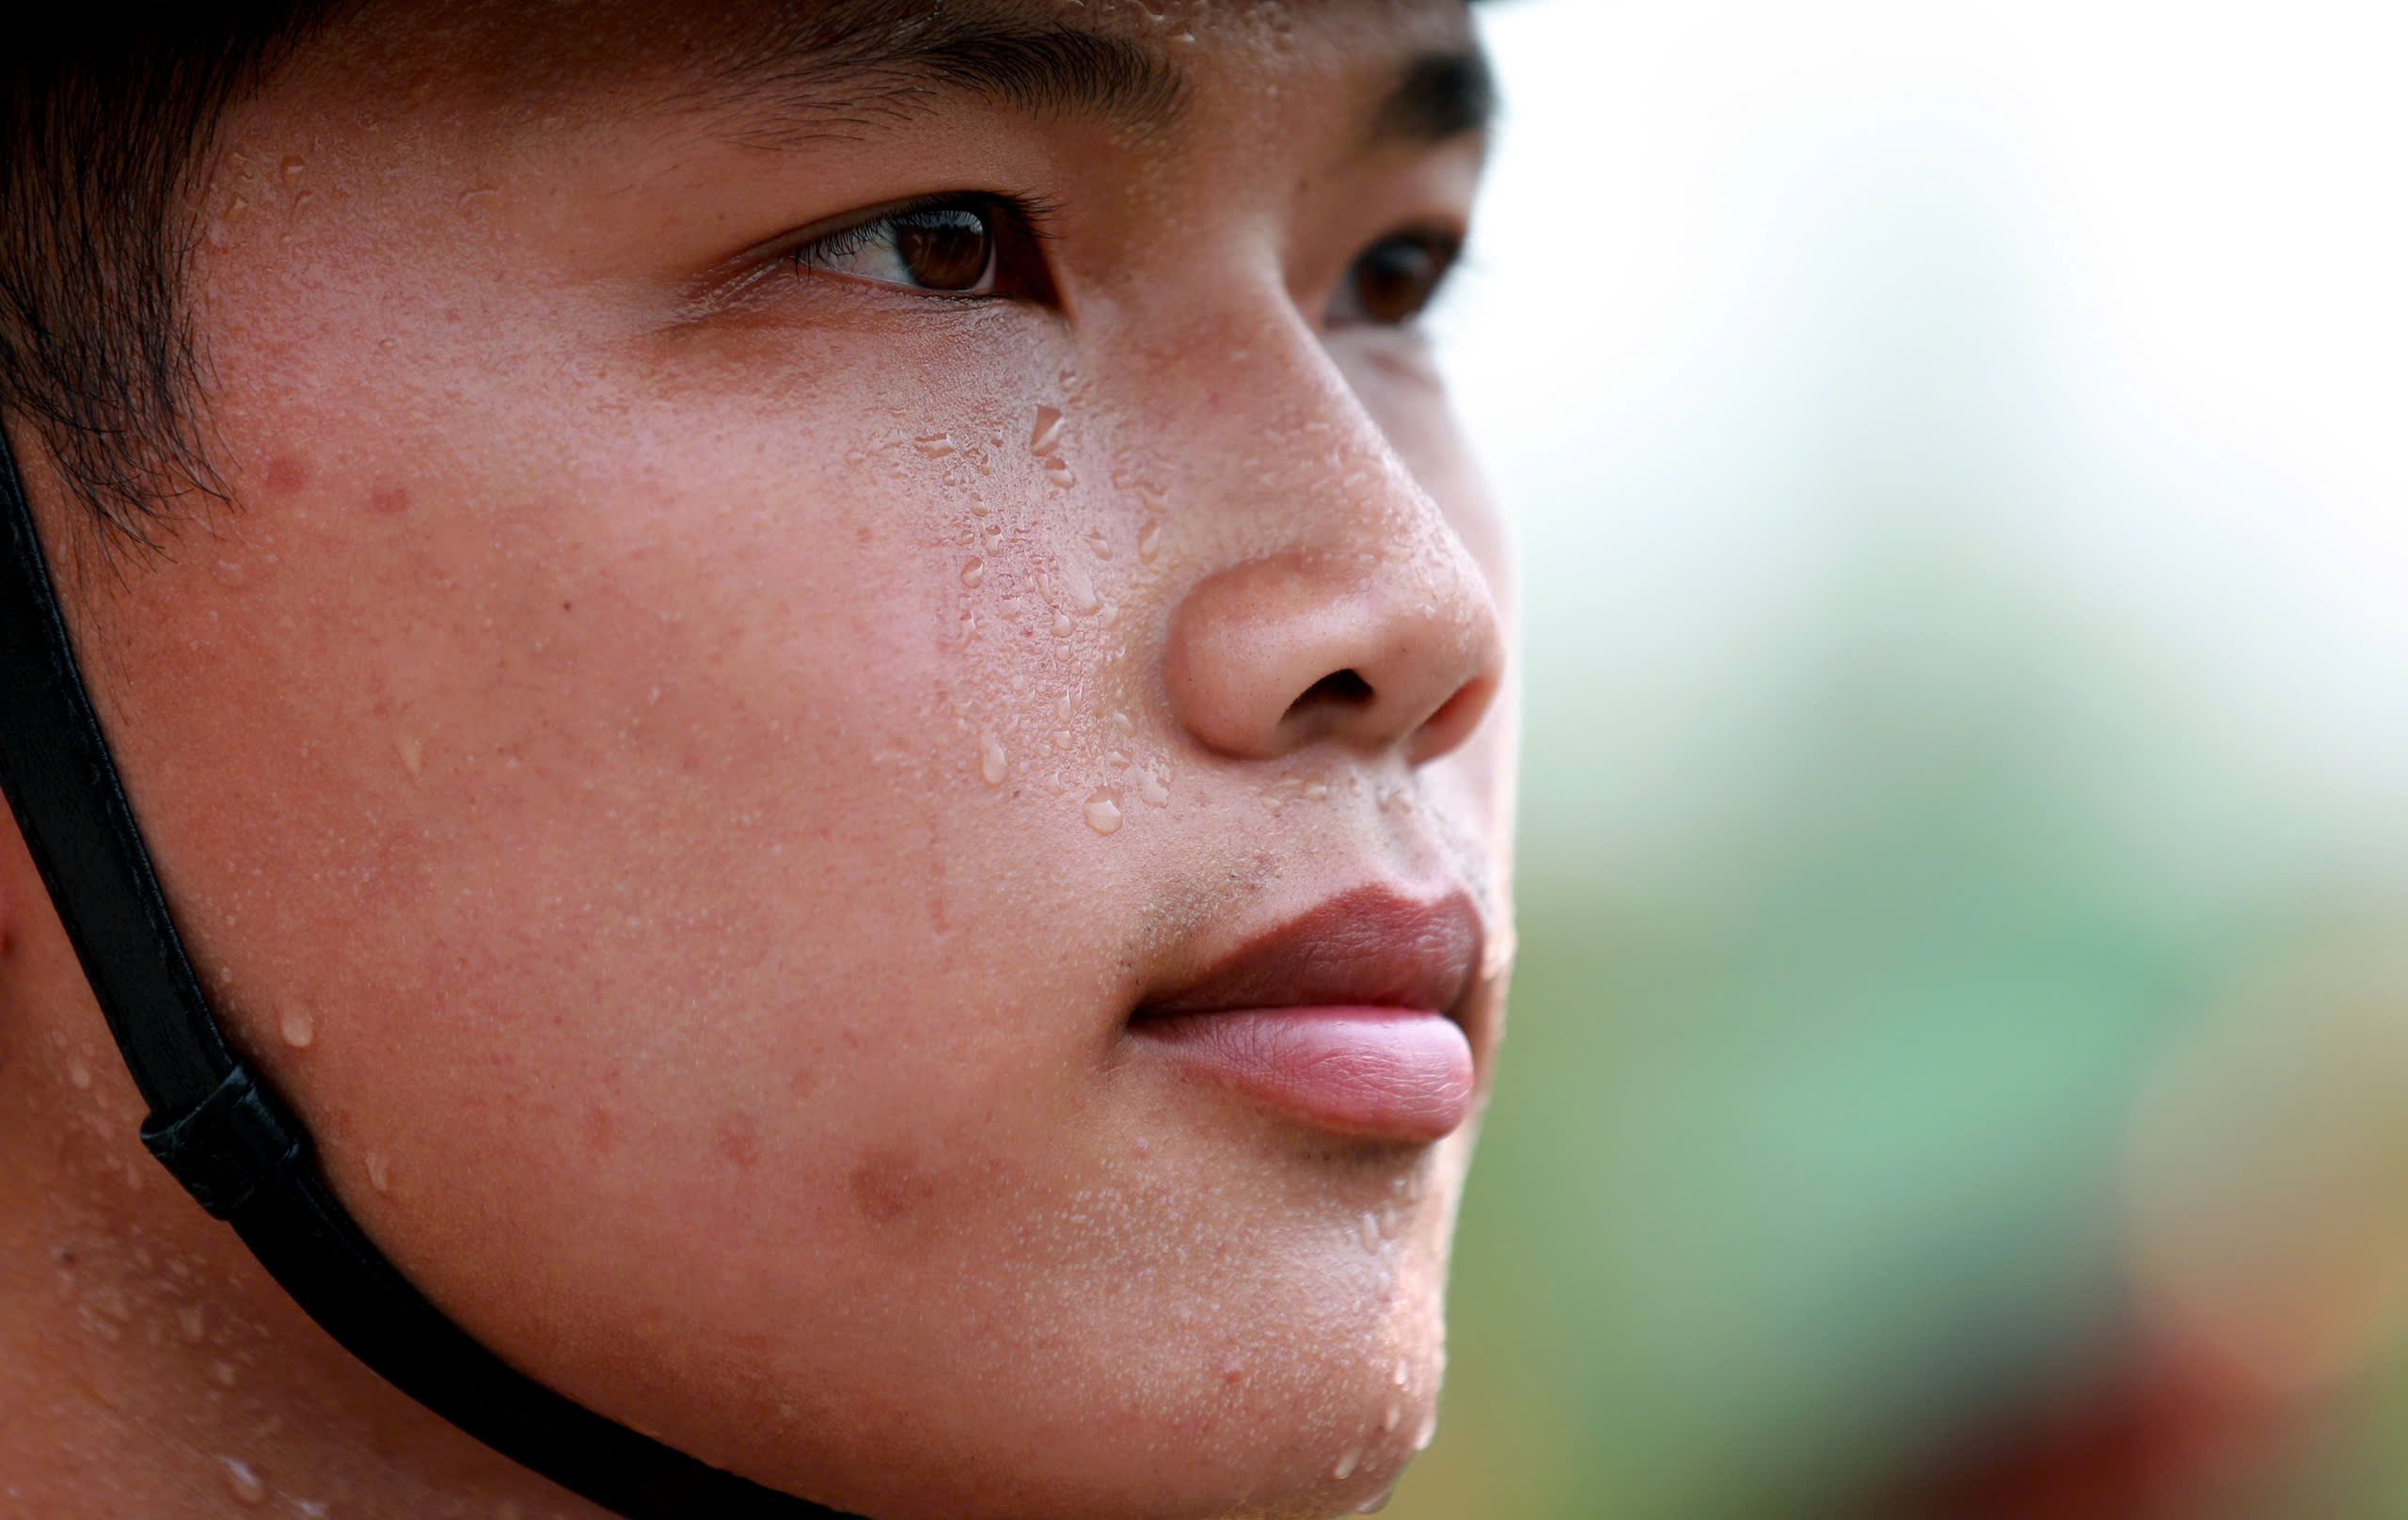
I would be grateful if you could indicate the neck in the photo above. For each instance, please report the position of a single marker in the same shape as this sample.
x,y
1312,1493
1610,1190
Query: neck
x,y
148,1365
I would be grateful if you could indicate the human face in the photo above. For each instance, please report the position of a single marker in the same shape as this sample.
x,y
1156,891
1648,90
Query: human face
x,y
696,747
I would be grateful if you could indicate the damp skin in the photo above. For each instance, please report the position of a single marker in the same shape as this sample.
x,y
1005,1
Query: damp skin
x,y
684,774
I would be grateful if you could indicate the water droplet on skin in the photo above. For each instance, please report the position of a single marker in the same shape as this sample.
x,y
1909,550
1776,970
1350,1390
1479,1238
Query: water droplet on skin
x,y
1104,814
1061,624
243,1483
1097,544
297,1028
1347,1463
1394,1417
1057,469
1080,590
293,167
1046,435
413,754
380,1170
1370,1226
192,1324
1423,1438
80,1074
1318,791
1061,707
1150,787
1403,1372
1064,738
972,572
978,506
1376,1506
992,764
935,445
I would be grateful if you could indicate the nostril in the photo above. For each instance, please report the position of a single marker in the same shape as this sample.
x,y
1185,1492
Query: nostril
x,y
1338,688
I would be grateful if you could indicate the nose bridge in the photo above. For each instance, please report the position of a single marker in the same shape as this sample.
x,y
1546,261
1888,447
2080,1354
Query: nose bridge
x,y
1335,603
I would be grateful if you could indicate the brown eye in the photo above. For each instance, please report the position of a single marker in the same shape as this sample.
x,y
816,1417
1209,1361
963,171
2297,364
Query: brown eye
x,y
947,250
1394,279
950,249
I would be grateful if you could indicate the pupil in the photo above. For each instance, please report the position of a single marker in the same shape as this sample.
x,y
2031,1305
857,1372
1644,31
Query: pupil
x,y
945,250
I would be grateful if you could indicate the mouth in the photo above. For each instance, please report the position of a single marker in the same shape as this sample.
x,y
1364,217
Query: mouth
x,y
1347,1019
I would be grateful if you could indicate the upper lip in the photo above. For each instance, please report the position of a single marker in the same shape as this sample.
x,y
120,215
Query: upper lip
x,y
1373,946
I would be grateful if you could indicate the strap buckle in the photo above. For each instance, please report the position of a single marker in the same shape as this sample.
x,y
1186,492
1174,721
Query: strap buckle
x,y
236,1141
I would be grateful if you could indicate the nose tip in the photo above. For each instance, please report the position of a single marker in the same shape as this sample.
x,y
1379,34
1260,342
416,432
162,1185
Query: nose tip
x,y
1275,654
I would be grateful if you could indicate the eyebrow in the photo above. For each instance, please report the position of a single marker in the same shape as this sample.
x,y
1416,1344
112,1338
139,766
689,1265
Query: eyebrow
x,y
851,69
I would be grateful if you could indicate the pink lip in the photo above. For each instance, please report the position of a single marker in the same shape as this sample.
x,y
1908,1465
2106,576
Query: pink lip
x,y
1341,1018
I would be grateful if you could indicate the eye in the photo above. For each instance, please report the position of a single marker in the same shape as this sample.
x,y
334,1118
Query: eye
x,y
1394,279
951,246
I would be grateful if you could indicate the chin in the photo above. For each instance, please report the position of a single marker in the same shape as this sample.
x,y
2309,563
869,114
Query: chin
x,y
1300,1387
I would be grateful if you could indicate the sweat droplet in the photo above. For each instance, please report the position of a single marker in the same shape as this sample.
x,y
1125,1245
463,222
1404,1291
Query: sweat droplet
x,y
1046,435
1347,1463
1428,1433
1150,787
972,572
1061,624
413,754
242,1483
1370,1226
293,167
298,1028
380,1171
1394,1417
80,1074
1149,542
992,765
1057,469
934,445
1104,814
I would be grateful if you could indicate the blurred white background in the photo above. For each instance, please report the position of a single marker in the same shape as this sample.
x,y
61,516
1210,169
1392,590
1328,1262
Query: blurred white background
x,y
1962,456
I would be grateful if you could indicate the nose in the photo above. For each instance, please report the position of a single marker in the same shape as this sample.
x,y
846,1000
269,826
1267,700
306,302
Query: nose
x,y
1375,651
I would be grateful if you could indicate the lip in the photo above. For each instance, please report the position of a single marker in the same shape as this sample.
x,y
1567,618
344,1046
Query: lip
x,y
1371,947
1347,1019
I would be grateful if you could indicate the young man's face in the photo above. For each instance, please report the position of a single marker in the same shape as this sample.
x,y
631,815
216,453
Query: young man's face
x,y
703,734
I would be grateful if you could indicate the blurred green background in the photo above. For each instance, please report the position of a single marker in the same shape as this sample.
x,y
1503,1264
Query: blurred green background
x,y
1960,1054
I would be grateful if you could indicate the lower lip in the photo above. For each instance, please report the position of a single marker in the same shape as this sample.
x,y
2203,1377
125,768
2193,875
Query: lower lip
x,y
1398,1074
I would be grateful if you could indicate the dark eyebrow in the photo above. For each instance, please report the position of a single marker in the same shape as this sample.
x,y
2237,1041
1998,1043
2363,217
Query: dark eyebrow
x,y
1442,95
846,68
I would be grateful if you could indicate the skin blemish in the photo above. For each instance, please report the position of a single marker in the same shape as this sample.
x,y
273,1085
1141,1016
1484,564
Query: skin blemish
x,y
286,474
739,1141
885,1186
389,501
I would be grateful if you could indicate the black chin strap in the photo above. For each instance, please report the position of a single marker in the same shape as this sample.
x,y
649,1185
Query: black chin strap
x,y
223,1132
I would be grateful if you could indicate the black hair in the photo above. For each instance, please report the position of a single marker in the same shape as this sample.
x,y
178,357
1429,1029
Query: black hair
x,y
108,119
